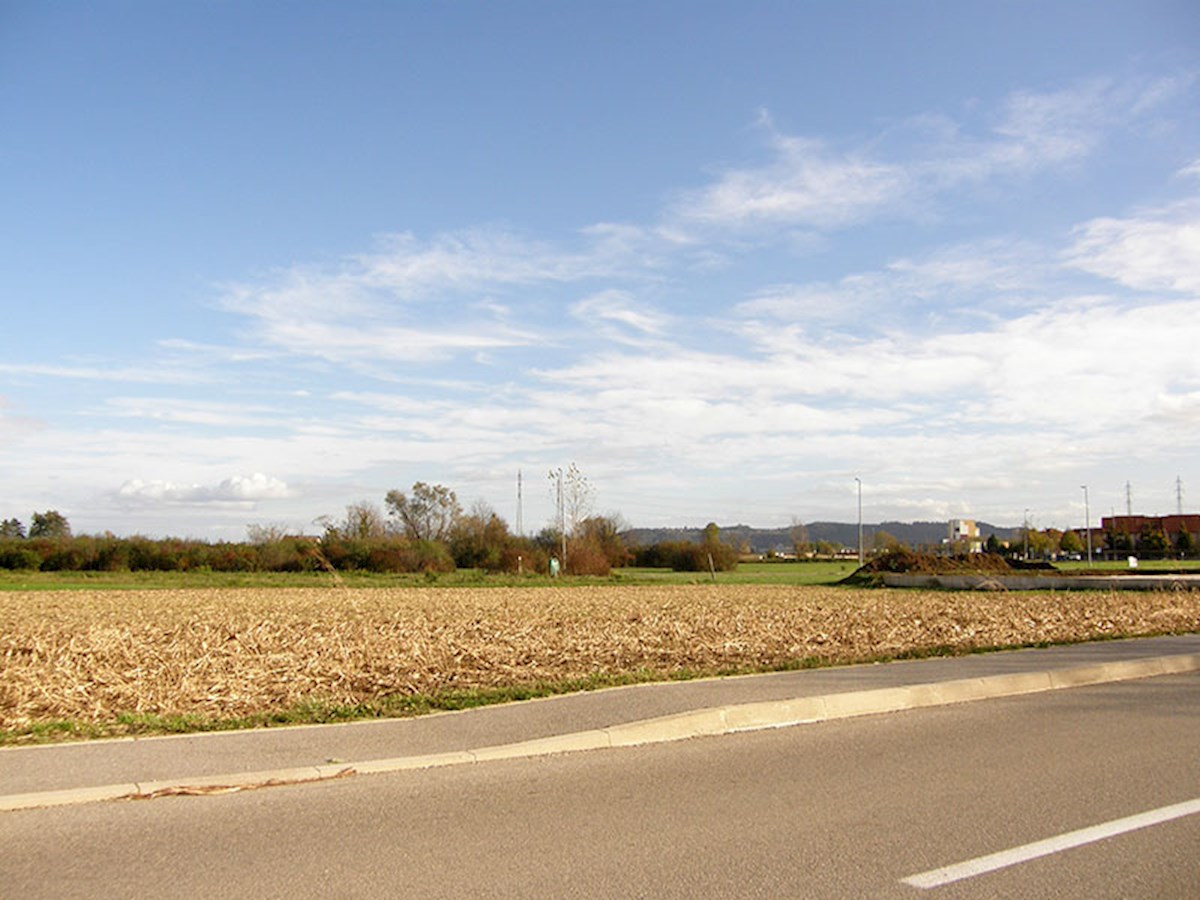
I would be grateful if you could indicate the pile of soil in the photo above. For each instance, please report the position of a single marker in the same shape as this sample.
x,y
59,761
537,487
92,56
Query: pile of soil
x,y
929,564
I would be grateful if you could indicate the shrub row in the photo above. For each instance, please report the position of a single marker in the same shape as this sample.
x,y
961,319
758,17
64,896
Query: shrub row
x,y
684,556
113,554
586,555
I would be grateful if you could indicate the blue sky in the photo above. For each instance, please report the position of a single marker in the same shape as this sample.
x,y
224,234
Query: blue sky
x,y
263,260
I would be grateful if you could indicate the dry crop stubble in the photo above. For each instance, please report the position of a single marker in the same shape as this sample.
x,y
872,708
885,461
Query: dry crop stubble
x,y
91,657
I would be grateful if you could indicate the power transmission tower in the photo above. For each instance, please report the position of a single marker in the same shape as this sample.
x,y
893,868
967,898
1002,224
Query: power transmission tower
x,y
520,523
1178,495
1128,499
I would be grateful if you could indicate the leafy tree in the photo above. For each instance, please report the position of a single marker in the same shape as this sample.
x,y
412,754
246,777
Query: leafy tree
x,y
12,528
1038,543
604,534
1184,545
428,515
50,524
478,540
1152,543
887,542
799,535
19,557
723,557
1053,542
1119,543
1070,543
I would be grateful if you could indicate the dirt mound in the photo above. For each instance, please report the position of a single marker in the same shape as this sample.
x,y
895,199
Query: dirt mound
x,y
928,564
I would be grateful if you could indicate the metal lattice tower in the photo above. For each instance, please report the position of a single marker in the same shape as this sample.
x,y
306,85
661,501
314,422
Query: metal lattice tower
x,y
520,523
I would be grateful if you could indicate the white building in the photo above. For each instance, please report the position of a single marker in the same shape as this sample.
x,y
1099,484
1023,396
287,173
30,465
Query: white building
x,y
965,533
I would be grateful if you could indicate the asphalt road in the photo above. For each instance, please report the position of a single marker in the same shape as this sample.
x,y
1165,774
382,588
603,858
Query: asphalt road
x,y
846,808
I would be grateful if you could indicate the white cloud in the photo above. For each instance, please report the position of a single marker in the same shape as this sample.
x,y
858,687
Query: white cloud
x,y
241,490
1157,250
190,412
808,183
1050,128
467,260
620,308
14,428
951,284
1034,131
404,302
153,374
805,184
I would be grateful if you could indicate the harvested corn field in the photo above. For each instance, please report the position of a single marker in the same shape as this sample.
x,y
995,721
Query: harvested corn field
x,y
213,656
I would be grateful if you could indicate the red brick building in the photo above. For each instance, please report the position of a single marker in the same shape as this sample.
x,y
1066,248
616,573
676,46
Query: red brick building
x,y
1126,535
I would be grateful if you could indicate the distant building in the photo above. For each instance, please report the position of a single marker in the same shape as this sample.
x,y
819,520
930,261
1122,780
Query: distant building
x,y
1134,535
964,534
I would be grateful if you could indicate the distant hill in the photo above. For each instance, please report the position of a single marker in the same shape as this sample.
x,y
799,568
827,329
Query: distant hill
x,y
762,540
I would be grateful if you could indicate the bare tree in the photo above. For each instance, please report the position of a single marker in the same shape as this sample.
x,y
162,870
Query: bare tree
x,y
364,521
260,535
577,498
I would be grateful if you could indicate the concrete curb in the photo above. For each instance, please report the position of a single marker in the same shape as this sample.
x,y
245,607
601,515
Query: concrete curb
x,y
680,726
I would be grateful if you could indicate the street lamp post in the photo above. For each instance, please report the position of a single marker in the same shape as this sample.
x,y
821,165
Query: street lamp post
x,y
858,481
1087,523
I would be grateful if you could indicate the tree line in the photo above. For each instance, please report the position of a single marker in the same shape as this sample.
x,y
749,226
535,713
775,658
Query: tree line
x,y
422,530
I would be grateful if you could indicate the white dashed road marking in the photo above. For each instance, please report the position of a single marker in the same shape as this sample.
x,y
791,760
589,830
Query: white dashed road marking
x,y
993,861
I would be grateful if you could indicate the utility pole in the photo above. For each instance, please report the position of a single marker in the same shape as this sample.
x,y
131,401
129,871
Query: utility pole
x,y
860,540
1087,523
520,524
1025,532
562,516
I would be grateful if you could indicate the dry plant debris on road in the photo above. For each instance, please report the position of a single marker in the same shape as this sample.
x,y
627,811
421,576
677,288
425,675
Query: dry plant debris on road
x,y
91,656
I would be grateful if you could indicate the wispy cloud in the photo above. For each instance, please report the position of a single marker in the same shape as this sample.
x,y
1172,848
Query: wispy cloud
x,y
810,183
191,412
405,301
620,316
154,373
806,184
1156,250
942,290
